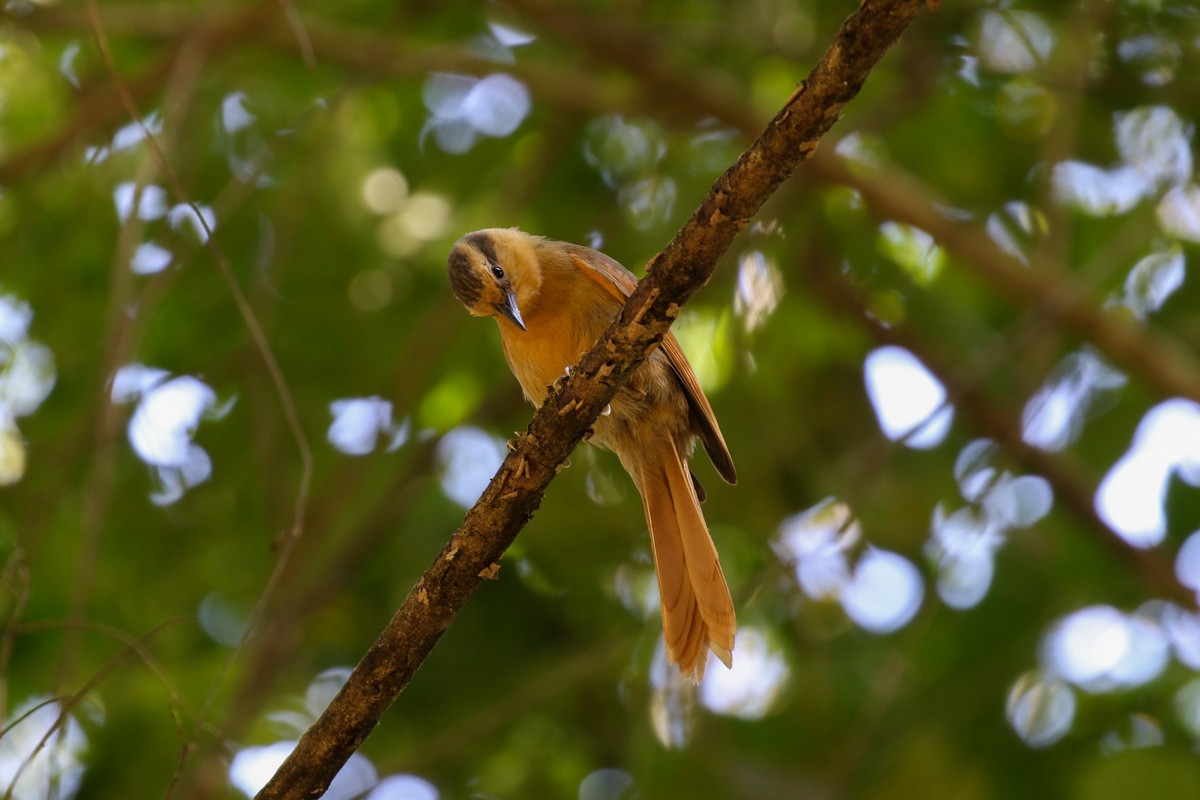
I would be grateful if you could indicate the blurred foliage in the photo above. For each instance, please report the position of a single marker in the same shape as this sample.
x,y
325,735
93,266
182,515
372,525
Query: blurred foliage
x,y
336,151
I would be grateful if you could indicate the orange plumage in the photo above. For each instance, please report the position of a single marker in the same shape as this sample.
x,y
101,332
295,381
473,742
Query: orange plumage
x,y
552,301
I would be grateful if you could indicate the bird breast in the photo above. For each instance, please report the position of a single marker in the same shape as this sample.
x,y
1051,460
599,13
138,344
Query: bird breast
x,y
567,319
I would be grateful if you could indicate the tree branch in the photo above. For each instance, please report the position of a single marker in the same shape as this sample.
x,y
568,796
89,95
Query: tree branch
x,y
1157,358
100,106
474,551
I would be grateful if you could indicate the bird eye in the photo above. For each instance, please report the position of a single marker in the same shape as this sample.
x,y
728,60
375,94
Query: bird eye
x,y
497,272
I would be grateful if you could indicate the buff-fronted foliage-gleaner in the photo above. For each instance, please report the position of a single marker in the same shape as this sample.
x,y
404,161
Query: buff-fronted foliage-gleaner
x,y
552,301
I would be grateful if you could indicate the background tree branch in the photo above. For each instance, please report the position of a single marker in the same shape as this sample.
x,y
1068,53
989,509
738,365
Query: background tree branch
x,y
1161,361
1000,422
474,551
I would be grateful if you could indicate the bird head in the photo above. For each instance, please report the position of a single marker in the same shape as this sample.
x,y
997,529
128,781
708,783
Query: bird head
x,y
495,273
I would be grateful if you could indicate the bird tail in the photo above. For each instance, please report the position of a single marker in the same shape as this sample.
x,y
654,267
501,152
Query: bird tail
x,y
697,610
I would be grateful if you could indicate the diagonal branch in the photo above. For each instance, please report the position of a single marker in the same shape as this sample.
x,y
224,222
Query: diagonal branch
x,y
474,551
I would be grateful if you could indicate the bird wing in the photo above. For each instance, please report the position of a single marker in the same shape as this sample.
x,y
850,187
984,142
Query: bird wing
x,y
620,283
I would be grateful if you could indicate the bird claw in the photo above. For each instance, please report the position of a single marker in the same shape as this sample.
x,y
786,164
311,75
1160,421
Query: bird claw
x,y
555,389
562,379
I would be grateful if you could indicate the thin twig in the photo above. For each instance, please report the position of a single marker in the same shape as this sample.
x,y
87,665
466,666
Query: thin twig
x,y
120,343
15,580
249,318
134,643
261,343
70,702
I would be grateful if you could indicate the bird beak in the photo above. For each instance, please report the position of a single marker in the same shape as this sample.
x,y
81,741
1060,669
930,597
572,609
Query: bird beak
x,y
510,310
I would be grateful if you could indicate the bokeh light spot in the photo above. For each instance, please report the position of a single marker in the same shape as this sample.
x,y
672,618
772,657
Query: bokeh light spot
x,y
404,787
1153,279
704,336
648,201
1014,41
384,190
751,688
816,542
1025,109
41,756
425,216
1179,212
609,783
252,767
1100,649
913,249
1040,709
1054,417
759,288
150,258
672,701
370,290
151,203
1183,629
963,546
462,107
359,423
469,458
1016,227
1187,562
884,593
1187,706
1157,142
223,621
163,423
1096,191
234,114
1166,443
620,149
450,401
12,453
908,400
200,219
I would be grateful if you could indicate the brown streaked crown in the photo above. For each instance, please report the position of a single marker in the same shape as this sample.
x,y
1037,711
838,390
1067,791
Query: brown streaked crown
x,y
482,241
465,281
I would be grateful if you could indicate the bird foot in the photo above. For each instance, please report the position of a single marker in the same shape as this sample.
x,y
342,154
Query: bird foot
x,y
560,382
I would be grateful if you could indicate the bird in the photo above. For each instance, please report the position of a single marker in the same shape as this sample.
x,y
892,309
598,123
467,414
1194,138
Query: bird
x,y
552,300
